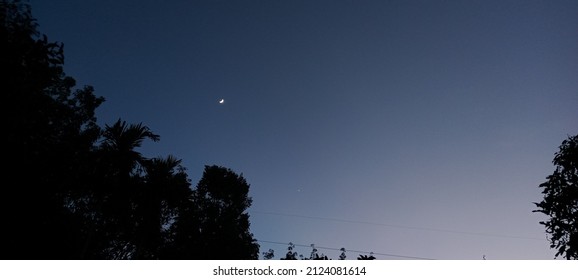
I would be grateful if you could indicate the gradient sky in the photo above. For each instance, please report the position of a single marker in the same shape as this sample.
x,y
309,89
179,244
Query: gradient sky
x,y
414,128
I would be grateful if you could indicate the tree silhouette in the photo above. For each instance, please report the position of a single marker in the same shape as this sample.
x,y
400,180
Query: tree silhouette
x,y
222,197
124,183
162,198
291,254
342,256
560,200
49,134
270,254
315,254
366,257
76,191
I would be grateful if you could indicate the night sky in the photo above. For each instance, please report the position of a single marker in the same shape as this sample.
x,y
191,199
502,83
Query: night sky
x,y
413,128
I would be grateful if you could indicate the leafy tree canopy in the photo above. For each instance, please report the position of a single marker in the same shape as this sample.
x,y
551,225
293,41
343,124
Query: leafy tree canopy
x,y
560,200
50,128
77,191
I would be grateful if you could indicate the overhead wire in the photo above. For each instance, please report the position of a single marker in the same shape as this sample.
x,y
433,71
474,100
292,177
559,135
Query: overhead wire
x,y
396,226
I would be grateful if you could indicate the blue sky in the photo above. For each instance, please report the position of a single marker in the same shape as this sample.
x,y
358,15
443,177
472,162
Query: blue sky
x,y
416,128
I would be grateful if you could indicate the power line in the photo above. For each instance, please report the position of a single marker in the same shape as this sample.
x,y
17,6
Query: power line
x,y
396,226
347,250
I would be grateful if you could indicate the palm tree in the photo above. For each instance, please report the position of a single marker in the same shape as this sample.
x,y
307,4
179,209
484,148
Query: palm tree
x,y
161,199
119,174
121,141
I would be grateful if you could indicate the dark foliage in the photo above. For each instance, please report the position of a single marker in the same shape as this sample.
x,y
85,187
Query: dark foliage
x,y
314,255
291,254
270,254
76,191
561,200
366,257
223,197
49,131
